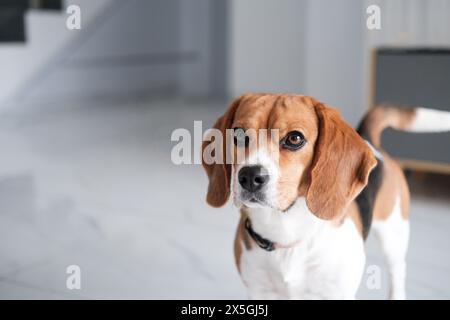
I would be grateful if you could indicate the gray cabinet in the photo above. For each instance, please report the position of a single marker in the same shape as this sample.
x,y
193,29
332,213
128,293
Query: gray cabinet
x,y
415,77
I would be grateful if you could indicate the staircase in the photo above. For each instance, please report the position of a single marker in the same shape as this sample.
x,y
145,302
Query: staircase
x,y
32,32
12,16
125,49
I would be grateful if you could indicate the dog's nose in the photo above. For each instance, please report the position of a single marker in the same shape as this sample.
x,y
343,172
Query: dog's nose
x,y
253,178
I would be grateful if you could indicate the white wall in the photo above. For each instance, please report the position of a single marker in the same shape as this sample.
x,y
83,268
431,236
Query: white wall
x,y
309,47
133,50
314,47
411,23
334,61
195,29
266,48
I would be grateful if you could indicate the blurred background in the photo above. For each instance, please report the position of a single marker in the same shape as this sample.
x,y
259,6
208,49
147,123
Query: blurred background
x,y
86,118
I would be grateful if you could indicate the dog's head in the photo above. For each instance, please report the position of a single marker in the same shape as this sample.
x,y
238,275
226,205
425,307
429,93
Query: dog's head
x,y
313,154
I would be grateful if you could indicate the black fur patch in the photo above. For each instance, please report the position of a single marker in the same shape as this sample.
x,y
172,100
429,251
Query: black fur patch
x,y
366,199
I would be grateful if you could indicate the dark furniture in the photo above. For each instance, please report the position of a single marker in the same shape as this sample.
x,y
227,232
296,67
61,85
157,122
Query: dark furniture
x,y
414,77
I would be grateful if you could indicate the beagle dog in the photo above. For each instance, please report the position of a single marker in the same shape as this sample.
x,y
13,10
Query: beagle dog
x,y
308,199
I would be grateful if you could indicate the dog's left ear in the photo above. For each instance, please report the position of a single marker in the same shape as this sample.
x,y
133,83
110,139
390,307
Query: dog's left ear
x,y
341,165
219,174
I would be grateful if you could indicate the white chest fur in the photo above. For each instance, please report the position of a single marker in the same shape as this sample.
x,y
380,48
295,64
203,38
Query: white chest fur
x,y
327,263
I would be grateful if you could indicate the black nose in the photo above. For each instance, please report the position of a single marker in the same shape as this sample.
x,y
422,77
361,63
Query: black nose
x,y
253,178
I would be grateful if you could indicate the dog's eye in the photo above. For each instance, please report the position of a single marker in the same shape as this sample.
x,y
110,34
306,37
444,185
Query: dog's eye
x,y
240,138
294,140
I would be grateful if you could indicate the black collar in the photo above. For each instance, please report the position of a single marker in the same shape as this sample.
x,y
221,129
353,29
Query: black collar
x,y
260,241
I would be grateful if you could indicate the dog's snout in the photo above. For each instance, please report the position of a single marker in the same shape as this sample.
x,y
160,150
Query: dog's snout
x,y
253,178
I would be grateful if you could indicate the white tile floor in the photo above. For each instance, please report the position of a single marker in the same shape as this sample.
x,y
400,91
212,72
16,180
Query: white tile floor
x,y
94,186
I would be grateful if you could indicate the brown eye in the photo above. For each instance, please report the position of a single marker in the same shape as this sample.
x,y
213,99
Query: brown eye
x,y
294,140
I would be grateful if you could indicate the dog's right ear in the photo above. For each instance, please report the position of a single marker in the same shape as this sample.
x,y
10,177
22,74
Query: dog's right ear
x,y
341,165
219,174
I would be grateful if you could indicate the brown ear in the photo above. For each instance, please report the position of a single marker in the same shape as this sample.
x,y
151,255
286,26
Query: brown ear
x,y
340,168
219,175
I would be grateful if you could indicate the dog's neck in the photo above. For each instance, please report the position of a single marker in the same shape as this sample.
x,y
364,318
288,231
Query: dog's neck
x,y
285,228
264,243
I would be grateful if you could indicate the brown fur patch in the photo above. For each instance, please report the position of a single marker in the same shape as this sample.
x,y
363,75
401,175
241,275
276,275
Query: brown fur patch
x,y
394,185
381,117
